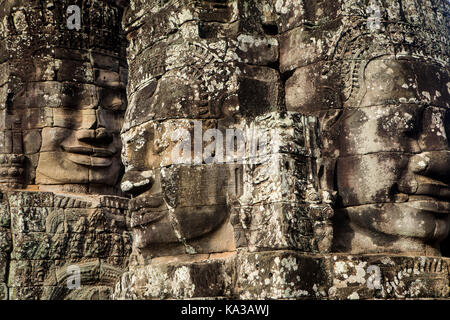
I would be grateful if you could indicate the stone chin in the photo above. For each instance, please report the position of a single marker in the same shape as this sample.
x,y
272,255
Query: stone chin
x,y
415,226
162,217
160,224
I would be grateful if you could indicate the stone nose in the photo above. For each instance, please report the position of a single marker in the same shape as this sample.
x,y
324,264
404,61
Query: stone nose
x,y
432,164
92,130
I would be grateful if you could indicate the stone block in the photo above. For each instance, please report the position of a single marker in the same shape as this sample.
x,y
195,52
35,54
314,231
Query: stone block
x,y
5,216
304,46
283,226
3,291
257,50
389,277
31,246
30,199
203,279
281,275
282,178
29,273
29,219
4,265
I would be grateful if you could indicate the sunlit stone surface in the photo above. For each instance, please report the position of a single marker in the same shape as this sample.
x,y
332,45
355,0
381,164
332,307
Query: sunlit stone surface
x,y
272,149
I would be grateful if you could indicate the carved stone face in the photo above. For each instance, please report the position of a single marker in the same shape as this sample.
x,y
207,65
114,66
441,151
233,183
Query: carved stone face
x,y
179,204
393,170
67,96
83,145
174,206
383,106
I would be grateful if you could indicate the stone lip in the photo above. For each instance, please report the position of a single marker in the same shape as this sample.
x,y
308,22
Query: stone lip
x,y
89,156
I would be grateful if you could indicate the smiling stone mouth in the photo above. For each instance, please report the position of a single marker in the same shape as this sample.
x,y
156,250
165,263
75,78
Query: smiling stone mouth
x,y
93,157
93,152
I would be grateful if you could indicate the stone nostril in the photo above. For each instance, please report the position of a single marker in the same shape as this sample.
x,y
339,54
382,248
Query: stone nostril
x,y
101,134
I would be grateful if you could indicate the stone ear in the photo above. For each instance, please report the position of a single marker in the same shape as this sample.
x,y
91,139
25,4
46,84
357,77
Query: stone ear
x,y
326,178
326,164
329,132
328,120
